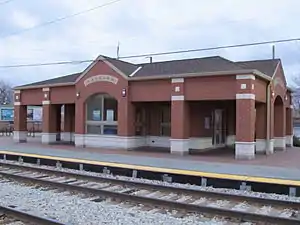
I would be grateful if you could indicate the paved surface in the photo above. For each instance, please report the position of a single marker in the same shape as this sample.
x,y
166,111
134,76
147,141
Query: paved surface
x,y
283,165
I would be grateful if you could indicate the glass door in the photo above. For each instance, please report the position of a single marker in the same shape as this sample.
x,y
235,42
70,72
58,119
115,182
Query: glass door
x,y
218,128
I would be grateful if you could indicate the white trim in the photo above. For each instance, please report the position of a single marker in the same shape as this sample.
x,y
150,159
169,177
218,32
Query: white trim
x,y
244,150
46,102
177,97
275,70
291,107
108,141
289,141
20,136
261,145
245,96
98,59
17,103
200,143
48,138
245,77
279,142
134,72
177,80
243,86
179,146
17,91
67,136
158,141
46,89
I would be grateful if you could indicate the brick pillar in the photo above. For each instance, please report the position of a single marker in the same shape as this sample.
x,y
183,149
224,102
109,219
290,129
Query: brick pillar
x,y
279,124
179,119
245,117
50,123
80,121
69,123
289,127
126,118
20,123
261,127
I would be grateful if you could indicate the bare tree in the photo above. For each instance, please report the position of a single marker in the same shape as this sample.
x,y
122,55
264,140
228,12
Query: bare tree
x,y
6,93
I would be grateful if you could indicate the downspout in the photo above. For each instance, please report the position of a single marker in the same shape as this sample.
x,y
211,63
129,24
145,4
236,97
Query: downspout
x,y
268,143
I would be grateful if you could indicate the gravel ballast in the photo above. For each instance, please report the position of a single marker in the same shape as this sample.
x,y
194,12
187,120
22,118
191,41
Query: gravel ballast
x,y
187,186
74,209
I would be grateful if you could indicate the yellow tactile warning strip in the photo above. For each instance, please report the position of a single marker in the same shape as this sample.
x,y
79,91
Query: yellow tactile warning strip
x,y
163,170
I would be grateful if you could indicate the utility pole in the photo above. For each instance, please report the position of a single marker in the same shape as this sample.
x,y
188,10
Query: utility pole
x,y
151,59
118,50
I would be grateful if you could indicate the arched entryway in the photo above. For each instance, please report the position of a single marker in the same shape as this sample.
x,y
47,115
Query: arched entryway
x,y
101,115
279,123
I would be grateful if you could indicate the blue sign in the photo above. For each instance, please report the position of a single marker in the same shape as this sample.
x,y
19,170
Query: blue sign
x,y
7,114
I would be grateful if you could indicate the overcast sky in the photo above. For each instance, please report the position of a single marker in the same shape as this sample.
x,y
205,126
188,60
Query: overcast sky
x,y
141,26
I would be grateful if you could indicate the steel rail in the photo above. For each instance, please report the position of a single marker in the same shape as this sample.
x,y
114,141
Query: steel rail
x,y
169,188
28,217
244,216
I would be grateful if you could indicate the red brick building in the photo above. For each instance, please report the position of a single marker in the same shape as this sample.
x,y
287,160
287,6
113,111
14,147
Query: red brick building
x,y
186,104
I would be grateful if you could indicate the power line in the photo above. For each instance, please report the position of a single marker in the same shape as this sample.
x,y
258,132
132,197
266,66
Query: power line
x,y
60,18
212,48
157,54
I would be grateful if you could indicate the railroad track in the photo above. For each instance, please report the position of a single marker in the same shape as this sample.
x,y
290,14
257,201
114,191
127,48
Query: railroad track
x,y
237,207
11,216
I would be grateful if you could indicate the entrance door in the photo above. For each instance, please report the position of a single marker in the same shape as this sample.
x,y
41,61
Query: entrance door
x,y
218,128
140,121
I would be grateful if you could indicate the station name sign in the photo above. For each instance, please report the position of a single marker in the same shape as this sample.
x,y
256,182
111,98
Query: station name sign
x,y
101,78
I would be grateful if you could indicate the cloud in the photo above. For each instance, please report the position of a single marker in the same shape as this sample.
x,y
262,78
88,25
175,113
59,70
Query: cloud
x,y
23,20
143,27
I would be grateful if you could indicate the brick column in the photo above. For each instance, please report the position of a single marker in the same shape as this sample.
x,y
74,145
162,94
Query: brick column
x,y
69,123
20,122
126,118
126,123
50,123
279,124
179,119
261,127
289,127
80,121
245,117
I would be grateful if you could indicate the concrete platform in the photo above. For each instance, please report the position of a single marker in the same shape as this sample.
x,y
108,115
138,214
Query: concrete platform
x,y
281,167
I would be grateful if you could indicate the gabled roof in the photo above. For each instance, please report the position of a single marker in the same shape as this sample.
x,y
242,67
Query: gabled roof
x,y
126,67
212,65
265,66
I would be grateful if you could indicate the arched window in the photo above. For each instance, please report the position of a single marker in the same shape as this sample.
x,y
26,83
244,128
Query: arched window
x,y
101,115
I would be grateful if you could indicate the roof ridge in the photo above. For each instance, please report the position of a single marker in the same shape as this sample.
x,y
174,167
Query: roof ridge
x,y
107,57
258,60
177,60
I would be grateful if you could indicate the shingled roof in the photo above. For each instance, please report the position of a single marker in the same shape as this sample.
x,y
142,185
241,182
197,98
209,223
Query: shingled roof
x,y
265,66
174,67
59,80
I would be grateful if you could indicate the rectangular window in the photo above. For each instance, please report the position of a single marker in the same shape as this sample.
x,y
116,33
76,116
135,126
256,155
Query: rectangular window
x,y
101,115
165,125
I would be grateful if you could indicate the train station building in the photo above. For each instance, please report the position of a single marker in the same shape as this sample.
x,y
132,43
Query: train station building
x,y
181,105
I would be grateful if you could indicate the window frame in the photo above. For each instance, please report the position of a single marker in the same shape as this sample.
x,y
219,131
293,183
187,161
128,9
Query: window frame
x,y
163,124
102,123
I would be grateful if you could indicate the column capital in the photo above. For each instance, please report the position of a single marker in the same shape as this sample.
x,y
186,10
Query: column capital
x,y
46,89
245,77
177,80
250,96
